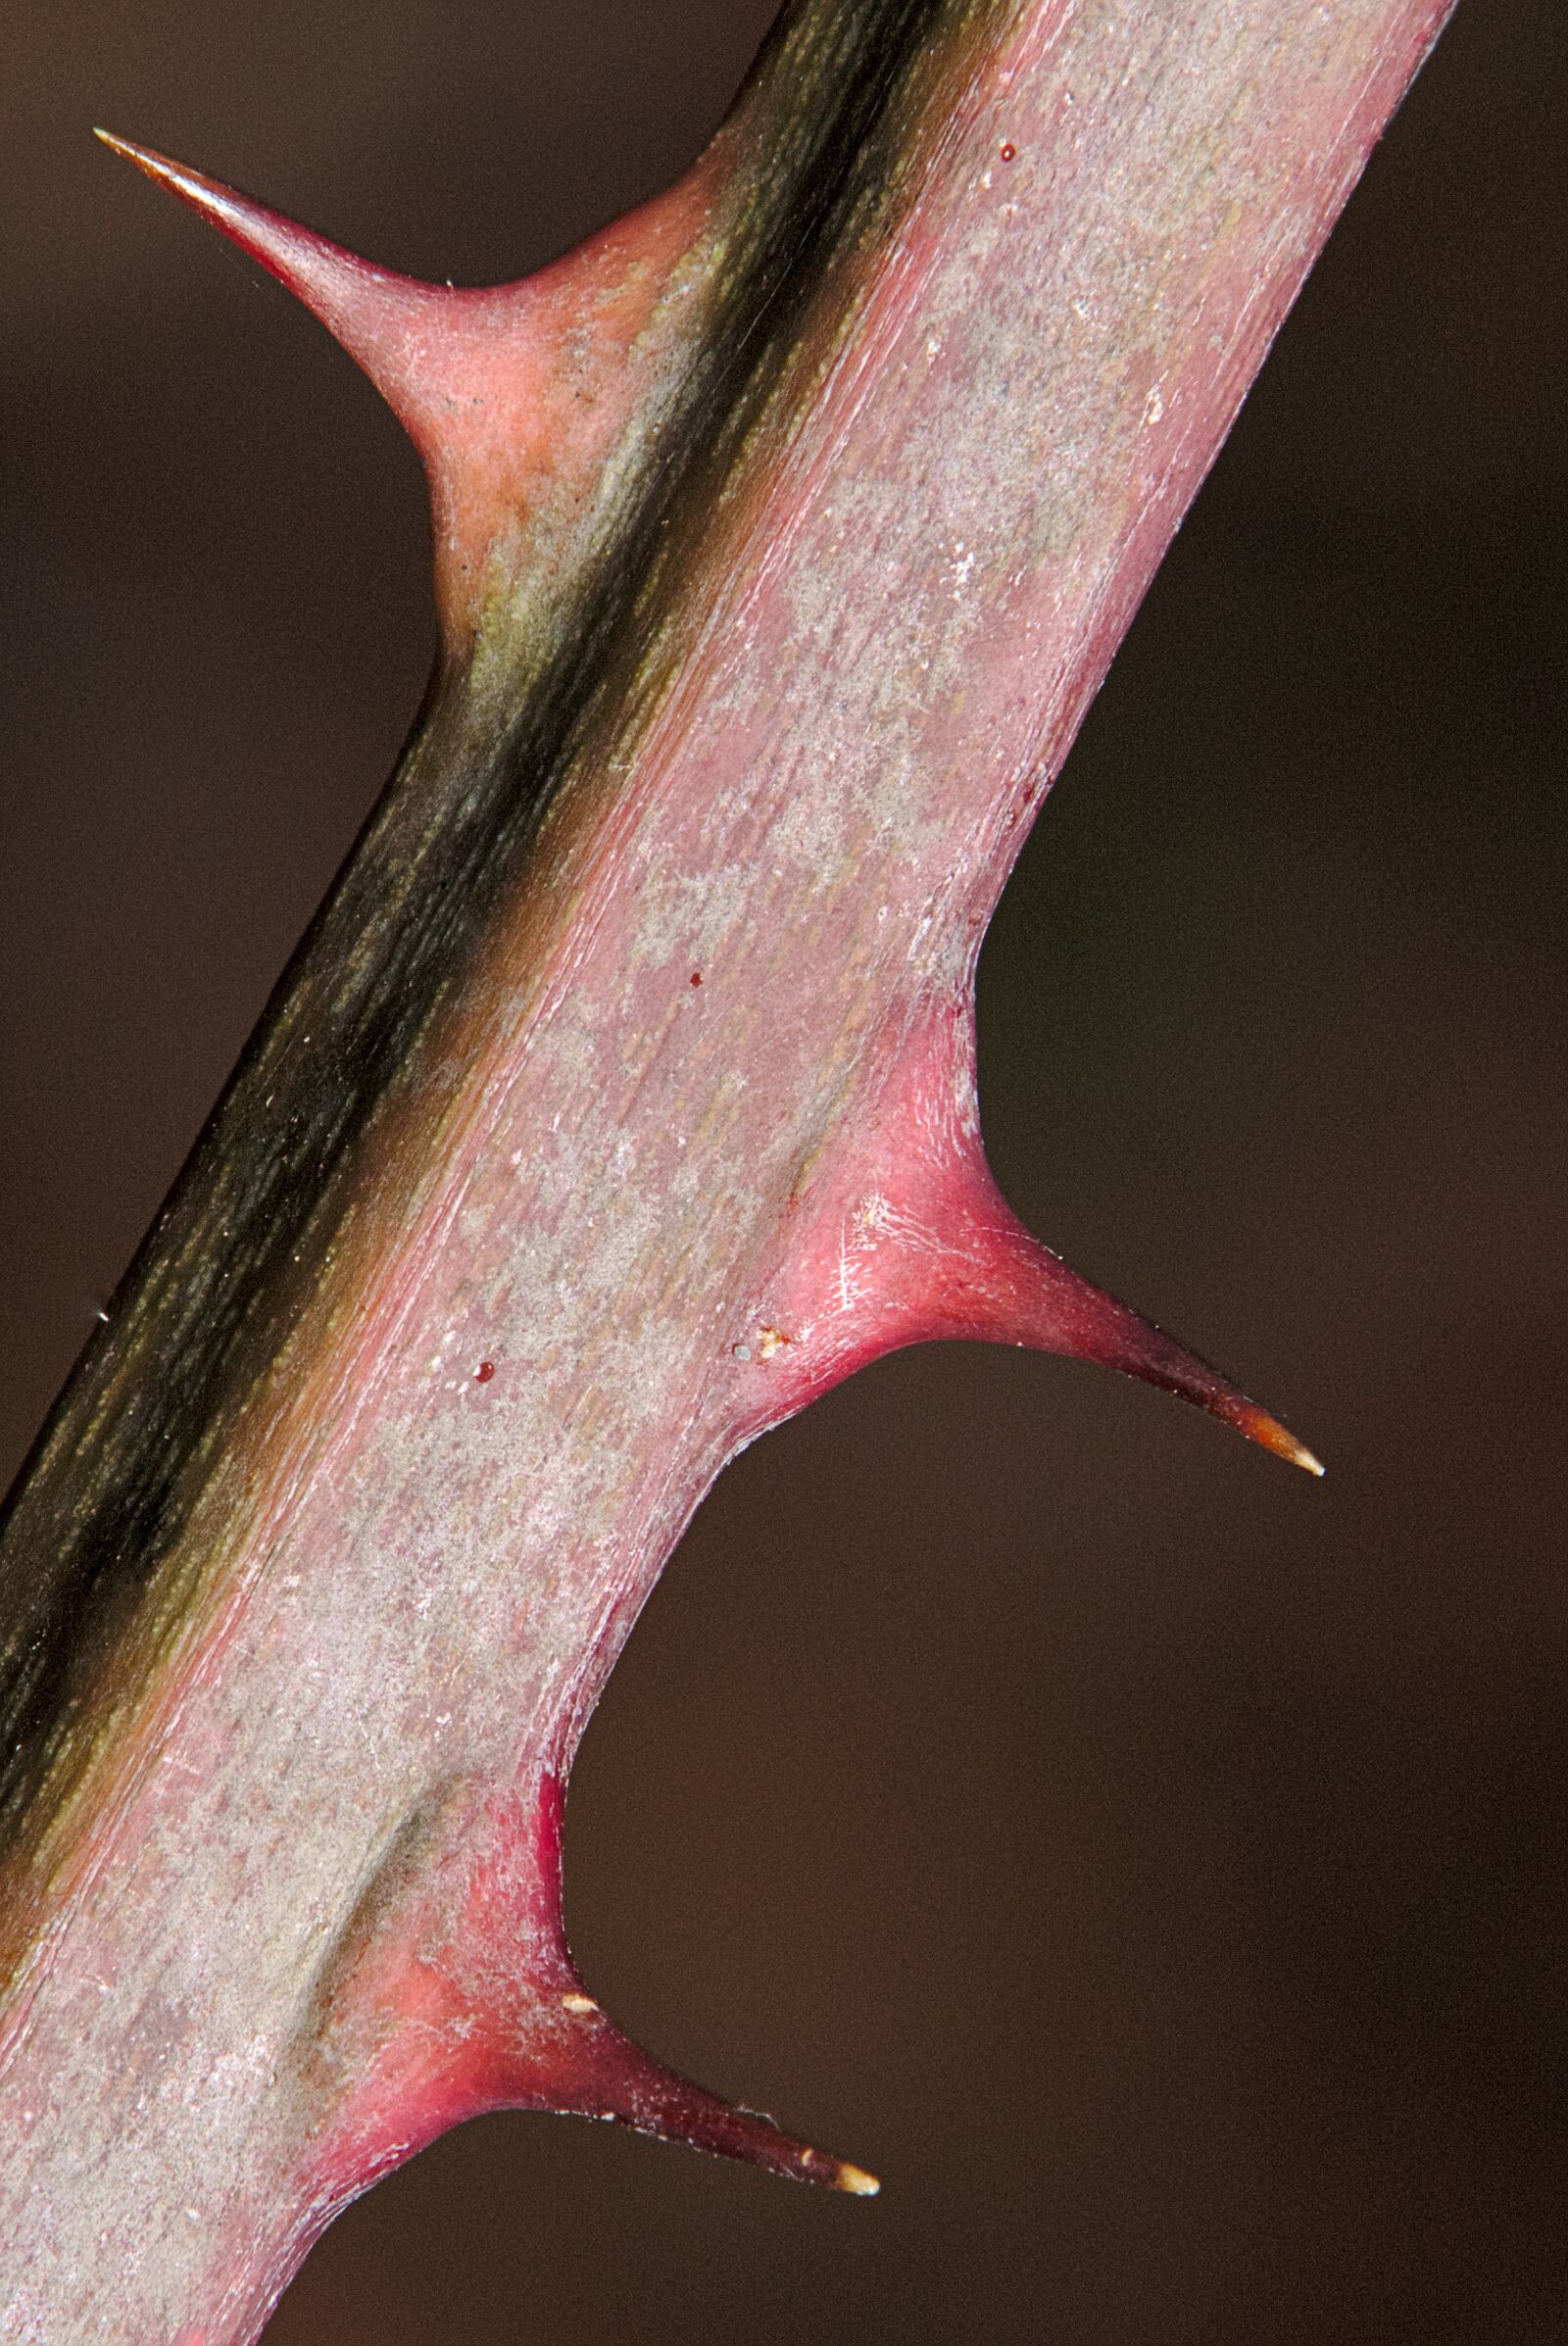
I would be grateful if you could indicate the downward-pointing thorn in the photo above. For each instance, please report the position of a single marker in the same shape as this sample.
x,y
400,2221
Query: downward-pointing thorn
x,y
538,2040
1027,1295
601,2073
912,1243
1090,1325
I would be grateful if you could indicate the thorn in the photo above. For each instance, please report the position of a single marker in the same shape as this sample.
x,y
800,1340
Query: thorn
x,y
383,321
1028,1296
910,1240
468,371
503,389
1159,1359
506,2023
603,2075
1067,1313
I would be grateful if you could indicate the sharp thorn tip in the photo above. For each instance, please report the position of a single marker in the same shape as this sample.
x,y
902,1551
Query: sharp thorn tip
x,y
121,146
856,2180
192,186
1282,1442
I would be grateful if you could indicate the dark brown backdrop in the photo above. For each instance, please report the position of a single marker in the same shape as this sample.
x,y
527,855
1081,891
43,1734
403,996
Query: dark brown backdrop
x,y
1152,1863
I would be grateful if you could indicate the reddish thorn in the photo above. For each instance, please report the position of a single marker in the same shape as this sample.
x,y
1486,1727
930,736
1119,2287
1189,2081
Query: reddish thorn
x,y
545,2044
479,2008
386,323
501,388
1009,1287
697,977
912,1242
598,2073
466,371
1119,1338
1008,152
485,1371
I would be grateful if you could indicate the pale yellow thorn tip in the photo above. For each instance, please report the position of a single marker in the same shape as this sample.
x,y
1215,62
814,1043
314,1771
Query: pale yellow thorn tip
x,y
855,2179
1285,1446
1270,1435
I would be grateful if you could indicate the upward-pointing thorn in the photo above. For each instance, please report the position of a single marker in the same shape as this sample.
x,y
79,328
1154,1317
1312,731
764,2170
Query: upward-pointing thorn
x,y
507,391
386,323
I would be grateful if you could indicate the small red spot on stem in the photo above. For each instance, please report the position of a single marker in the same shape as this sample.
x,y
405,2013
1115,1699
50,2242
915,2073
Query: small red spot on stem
x,y
1008,152
697,977
485,1371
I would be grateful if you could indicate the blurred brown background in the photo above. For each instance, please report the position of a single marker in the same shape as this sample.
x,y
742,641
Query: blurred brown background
x,y
1153,1864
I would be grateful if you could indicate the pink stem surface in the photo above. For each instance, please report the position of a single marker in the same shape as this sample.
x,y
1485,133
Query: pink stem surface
x,y
691,1133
